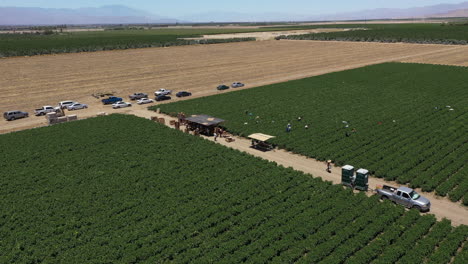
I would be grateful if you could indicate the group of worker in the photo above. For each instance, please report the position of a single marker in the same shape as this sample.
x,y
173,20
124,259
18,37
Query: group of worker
x,y
218,132
289,126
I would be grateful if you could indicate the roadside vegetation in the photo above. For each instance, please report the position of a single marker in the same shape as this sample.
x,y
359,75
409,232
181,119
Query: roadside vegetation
x,y
122,189
455,33
403,122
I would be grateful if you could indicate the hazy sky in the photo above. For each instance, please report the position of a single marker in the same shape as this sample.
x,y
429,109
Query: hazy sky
x,y
184,7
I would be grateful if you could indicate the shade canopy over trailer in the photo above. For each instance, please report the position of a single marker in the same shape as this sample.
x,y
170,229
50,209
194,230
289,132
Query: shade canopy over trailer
x,y
204,123
259,141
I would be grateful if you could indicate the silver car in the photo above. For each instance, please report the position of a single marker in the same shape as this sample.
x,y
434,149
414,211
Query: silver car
x,y
77,106
237,84
121,105
145,101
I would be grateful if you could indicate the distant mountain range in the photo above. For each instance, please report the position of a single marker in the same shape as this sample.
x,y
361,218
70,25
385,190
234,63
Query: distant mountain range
x,y
114,14
117,14
456,13
450,10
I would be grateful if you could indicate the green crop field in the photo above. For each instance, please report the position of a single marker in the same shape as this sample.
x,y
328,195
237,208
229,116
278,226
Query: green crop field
x,y
122,189
32,44
37,44
404,122
410,33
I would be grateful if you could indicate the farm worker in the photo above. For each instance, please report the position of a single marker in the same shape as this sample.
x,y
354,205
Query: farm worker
x,y
306,126
216,131
299,119
329,166
288,128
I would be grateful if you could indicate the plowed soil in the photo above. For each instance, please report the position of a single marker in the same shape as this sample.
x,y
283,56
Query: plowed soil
x,y
31,82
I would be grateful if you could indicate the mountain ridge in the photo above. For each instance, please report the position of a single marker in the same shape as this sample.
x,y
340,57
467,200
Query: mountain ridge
x,y
120,14
110,14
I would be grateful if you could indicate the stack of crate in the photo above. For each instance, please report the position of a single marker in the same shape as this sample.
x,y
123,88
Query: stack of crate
x,y
52,118
72,118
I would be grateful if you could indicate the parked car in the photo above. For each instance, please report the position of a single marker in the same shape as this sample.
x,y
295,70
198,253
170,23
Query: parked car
x,y
111,100
137,96
183,94
145,101
222,87
237,84
121,105
404,196
162,92
77,106
65,104
13,115
163,98
44,110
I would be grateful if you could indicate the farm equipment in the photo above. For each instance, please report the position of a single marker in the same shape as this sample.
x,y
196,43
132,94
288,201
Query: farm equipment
x,y
358,180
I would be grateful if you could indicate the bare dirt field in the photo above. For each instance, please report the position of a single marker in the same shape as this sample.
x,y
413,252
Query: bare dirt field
x,y
30,82
454,57
272,34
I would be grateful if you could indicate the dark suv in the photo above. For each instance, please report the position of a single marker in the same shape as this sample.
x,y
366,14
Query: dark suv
x,y
222,87
183,94
163,98
12,115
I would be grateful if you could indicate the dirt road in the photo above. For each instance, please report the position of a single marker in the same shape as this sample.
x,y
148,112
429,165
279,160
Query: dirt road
x,y
30,82
441,207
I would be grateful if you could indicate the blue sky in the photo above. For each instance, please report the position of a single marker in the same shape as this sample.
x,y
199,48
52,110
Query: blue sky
x,y
176,8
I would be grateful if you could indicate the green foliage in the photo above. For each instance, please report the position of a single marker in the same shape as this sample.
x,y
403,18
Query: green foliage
x,y
122,189
37,44
399,122
410,33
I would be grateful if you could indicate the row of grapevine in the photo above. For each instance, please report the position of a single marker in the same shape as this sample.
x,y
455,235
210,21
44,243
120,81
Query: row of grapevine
x,y
393,119
97,196
415,33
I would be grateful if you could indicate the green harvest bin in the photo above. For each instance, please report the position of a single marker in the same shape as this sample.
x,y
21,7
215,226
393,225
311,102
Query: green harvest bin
x,y
362,180
347,176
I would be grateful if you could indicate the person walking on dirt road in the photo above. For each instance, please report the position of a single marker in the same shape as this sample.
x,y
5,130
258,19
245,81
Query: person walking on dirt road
x,y
329,166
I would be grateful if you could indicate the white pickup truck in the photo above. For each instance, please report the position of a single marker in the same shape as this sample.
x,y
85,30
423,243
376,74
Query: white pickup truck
x,y
45,109
162,92
404,196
